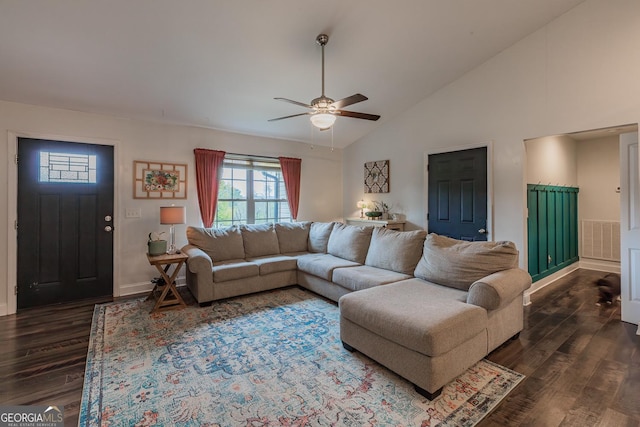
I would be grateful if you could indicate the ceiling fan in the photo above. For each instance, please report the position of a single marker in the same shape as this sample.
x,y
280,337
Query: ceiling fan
x,y
324,110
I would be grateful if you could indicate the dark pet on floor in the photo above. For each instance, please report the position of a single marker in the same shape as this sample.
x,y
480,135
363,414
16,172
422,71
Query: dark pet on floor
x,y
608,288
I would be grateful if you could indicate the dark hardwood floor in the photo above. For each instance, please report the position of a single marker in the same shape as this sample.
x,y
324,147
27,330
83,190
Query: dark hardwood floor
x,y
582,363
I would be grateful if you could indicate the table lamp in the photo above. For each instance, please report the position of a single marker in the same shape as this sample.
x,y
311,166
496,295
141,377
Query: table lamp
x,y
361,205
172,215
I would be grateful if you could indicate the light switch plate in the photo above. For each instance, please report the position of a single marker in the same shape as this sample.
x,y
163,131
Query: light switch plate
x,y
133,213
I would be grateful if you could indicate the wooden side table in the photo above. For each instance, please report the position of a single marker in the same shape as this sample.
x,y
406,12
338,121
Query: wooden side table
x,y
163,263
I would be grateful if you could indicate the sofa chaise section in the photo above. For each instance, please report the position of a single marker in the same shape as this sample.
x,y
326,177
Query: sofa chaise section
x,y
464,301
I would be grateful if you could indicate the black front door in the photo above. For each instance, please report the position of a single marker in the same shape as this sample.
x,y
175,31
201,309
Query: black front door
x,y
65,221
458,194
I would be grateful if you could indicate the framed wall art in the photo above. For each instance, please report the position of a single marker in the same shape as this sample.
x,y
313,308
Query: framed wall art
x,y
159,180
376,177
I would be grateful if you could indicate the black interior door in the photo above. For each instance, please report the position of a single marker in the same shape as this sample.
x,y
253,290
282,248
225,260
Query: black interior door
x,y
458,194
65,221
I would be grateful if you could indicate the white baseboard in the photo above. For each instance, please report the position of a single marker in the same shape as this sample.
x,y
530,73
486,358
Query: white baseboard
x,y
4,310
535,287
587,264
135,288
144,287
600,265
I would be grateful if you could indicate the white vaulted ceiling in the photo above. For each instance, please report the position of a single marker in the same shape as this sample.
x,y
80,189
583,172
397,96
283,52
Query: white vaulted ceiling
x,y
219,63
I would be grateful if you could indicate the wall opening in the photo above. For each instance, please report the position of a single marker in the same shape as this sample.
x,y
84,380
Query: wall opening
x,y
588,162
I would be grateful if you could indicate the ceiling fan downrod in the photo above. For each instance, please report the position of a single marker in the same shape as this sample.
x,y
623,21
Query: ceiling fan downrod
x,y
322,40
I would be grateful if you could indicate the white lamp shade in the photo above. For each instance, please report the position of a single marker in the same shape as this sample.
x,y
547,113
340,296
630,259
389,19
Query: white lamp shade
x,y
323,120
172,215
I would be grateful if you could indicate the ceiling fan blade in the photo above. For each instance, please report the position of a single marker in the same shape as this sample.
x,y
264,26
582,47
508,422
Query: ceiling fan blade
x,y
287,117
291,101
349,101
355,115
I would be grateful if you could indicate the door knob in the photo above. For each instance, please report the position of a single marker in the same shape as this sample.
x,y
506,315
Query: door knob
x,y
108,218
108,229
482,231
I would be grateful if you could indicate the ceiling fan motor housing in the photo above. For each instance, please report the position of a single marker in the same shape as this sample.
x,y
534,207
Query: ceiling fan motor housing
x,y
323,104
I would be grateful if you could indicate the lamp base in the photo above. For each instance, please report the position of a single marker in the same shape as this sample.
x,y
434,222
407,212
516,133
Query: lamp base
x,y
172,242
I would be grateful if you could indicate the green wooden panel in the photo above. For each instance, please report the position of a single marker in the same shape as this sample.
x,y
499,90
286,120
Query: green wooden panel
x,y
552,228
559,235
566,236
542,232
532,229
573,226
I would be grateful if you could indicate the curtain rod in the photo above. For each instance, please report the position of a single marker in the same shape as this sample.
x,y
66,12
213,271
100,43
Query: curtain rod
x,y
253,156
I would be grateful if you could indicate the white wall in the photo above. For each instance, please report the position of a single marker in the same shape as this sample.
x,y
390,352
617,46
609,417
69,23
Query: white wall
x,y
579,72
598,179
321,181
552,160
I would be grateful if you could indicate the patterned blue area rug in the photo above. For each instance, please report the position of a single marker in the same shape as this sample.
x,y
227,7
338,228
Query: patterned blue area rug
x,y
273,358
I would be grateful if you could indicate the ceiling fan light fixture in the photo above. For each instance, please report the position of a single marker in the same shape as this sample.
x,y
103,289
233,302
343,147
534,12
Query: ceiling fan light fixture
x,y
323,120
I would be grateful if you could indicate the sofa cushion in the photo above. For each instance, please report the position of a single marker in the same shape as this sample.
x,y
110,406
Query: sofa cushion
x,y
221,244
364,276
319,233
458,263
322,265
233,270
414,316
259,240
350,242
293,236
395,250
273,264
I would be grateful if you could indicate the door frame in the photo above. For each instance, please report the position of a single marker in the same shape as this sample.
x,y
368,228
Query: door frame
x,y
448,149
629,252
12,207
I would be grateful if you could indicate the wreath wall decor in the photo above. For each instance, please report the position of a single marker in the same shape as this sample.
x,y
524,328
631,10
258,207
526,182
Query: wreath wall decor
x,y
159,180
376,177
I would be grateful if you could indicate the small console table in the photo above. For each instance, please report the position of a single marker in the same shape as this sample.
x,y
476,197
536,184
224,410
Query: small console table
x,y
387,223
163,263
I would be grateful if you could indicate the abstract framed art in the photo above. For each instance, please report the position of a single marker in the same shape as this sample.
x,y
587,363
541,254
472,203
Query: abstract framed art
x,y
159,180
376,177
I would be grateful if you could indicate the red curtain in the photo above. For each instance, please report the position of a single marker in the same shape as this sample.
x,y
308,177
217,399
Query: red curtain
x,y
208,171
291,173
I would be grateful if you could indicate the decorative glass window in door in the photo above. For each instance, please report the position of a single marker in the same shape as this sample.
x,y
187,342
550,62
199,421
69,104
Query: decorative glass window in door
x,y
68,167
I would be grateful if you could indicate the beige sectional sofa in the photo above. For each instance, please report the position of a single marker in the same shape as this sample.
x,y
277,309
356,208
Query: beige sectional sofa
x,y
426,306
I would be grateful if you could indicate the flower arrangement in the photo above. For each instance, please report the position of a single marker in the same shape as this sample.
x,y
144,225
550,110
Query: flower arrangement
x,y
377,206
377,209
154,236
